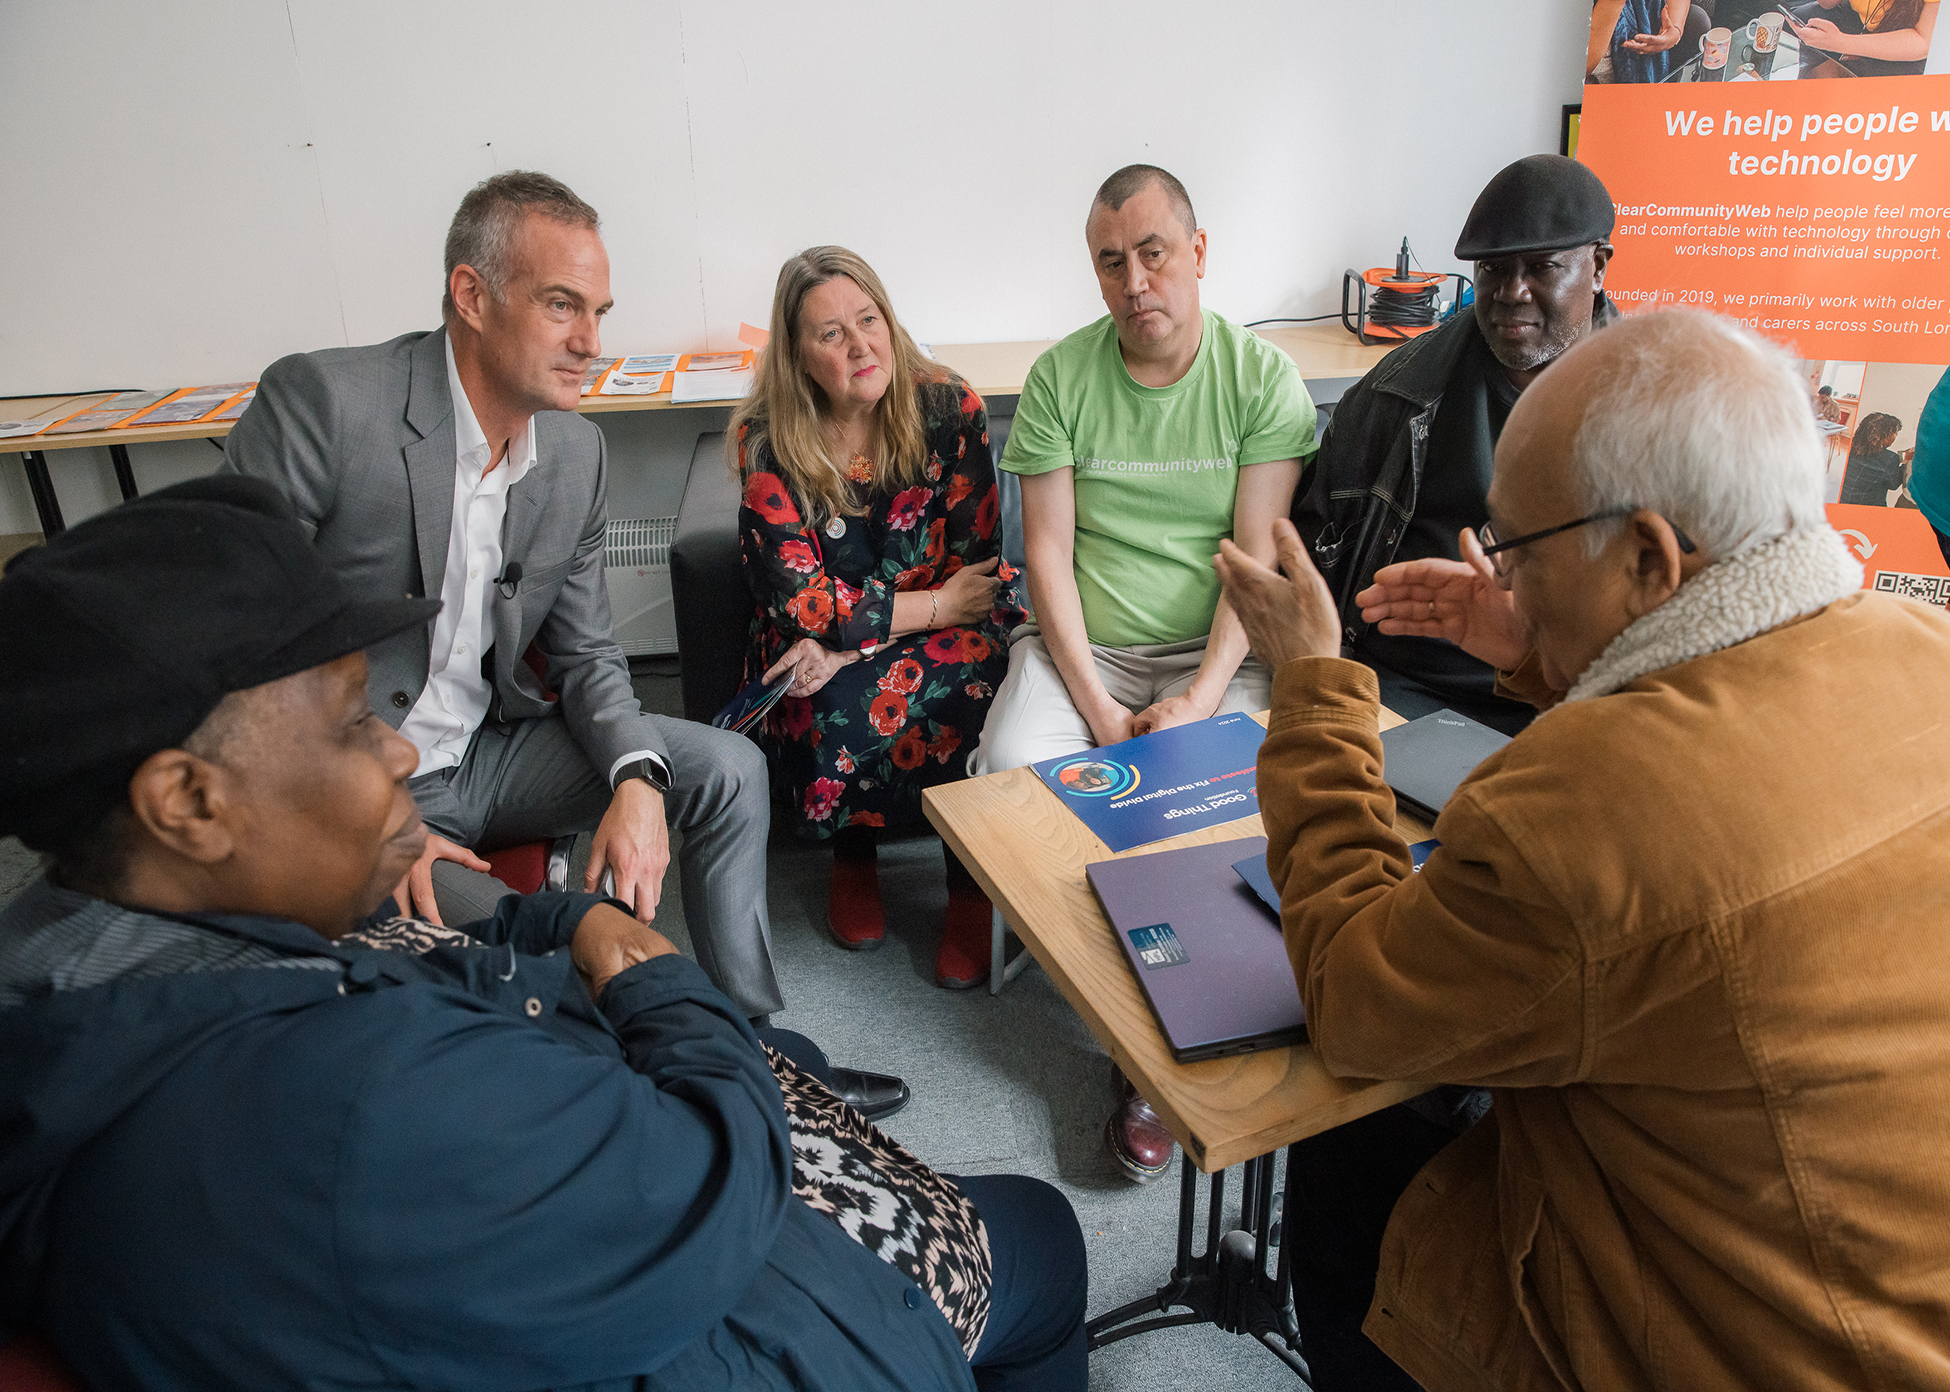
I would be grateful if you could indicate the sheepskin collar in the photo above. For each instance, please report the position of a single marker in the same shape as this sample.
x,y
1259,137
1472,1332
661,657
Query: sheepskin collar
x,y
1728,603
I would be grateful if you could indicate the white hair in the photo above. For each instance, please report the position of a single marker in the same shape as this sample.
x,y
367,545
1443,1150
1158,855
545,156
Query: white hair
x,y
1704,423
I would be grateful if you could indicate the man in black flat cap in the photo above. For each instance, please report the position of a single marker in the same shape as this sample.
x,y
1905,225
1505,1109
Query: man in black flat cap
x,y
1406,460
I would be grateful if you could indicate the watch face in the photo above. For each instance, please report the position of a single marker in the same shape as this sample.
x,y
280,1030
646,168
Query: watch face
x,y
645,770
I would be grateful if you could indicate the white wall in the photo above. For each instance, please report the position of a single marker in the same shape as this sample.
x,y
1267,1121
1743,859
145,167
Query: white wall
x,y
196,189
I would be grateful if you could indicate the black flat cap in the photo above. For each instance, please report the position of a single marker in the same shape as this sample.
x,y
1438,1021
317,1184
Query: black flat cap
x,y
123,633
1540,203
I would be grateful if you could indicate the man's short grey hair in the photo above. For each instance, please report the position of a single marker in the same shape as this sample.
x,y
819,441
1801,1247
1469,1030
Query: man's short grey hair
x,y
483,230
1704,423
1132,179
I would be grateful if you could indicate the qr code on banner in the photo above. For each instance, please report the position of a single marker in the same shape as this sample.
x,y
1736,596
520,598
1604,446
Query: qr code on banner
x,y
1931,589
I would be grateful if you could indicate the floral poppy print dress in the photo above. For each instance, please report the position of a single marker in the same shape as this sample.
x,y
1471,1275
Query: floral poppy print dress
x,y
858,751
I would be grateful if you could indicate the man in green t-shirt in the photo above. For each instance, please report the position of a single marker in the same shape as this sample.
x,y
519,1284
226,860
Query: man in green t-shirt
x,y
1142,441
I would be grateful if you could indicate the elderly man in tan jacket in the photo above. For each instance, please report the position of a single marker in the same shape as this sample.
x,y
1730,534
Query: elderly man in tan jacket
x,y
1682,926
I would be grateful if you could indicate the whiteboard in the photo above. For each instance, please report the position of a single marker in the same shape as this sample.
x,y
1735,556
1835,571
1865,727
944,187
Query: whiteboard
x,y
196,189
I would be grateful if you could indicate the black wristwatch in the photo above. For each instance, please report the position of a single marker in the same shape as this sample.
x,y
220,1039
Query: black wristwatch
x,y
647,769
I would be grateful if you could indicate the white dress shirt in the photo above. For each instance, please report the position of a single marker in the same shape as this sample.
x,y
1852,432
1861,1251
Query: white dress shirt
x,y
456,697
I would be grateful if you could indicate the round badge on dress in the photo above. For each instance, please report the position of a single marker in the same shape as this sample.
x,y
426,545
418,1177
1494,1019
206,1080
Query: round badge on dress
x,y
836,528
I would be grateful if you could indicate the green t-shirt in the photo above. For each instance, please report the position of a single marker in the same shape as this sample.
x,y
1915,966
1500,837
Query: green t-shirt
x,y
1156,467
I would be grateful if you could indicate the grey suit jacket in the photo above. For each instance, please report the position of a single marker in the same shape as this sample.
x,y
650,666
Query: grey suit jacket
x,y
361,440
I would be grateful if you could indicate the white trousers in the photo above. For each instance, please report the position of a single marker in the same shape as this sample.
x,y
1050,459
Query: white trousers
x,y
1034,719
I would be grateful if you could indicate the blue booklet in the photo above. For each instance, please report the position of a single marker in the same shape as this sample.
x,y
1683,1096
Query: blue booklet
x,y
1162,784
746,711
1254,872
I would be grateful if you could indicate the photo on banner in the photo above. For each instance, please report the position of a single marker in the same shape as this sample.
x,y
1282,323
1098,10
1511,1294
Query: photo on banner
x,y
1812,211
1643,41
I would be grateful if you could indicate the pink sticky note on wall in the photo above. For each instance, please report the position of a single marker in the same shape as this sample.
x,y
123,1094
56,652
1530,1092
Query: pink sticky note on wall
x,y
751,337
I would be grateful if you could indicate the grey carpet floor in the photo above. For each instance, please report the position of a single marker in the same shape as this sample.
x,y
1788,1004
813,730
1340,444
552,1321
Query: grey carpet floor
x,y
1013,1083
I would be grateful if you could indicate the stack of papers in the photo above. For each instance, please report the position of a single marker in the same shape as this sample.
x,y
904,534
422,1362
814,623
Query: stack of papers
x,y
711,386
713,377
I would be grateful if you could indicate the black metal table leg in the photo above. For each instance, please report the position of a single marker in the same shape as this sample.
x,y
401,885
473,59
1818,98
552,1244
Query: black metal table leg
x,y
41,485
1227,1284
124,475
1113,1325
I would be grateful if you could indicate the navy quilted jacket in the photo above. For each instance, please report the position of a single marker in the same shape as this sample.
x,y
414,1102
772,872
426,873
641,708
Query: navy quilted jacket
x,y
251,1159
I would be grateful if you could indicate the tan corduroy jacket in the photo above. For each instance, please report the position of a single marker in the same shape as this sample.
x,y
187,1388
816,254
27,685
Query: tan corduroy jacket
x,y
1695,935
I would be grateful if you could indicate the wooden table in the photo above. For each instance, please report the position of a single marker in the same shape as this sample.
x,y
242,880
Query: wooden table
x,y
993,369
1030,852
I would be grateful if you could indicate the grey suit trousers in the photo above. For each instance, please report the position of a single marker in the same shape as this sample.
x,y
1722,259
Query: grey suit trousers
x,y
527,781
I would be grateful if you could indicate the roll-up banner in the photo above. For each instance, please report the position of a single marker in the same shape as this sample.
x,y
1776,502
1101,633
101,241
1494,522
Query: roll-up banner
x,y
1789,166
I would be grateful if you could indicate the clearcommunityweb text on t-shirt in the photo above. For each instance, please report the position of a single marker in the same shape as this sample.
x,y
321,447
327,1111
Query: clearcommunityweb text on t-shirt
x,y
1088,465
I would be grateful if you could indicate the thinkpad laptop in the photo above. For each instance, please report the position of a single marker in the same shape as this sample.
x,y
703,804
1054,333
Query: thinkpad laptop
x,y
1426,760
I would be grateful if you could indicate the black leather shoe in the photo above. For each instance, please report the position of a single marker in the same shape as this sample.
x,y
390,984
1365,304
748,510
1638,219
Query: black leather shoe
x,y
873,1095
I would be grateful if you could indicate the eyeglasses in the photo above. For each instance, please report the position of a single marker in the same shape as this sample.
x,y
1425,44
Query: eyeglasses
x,y
1486,535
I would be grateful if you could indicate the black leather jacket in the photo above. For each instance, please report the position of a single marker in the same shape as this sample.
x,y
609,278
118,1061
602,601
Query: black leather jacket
x,y
1356,501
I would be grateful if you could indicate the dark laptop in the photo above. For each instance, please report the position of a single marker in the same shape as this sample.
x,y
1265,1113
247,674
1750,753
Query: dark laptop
x,y
1254,872
1426,760
1207,952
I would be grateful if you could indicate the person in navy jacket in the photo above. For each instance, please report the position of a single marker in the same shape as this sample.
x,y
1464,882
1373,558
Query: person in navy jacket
x,y
247,1146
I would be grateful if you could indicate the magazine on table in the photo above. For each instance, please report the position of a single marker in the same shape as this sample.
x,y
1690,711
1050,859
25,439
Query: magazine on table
x,y
1162,784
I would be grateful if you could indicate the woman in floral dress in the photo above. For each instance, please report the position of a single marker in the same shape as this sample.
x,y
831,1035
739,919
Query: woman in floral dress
x,y
869,532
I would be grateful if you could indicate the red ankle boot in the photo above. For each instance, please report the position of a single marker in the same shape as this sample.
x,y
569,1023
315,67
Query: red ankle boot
x,y
962,960
853,905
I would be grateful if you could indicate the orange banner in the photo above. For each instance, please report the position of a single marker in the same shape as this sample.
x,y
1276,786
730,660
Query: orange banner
x,y
1813,212
1897,548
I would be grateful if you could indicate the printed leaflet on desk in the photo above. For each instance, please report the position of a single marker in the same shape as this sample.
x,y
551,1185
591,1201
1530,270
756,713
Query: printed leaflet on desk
x,y
592,378
643,375
183,406
1162,784
190,405
710,385
735,360
107,413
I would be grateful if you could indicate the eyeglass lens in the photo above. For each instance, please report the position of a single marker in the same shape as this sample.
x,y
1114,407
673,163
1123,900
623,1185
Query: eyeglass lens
x,y
1486,538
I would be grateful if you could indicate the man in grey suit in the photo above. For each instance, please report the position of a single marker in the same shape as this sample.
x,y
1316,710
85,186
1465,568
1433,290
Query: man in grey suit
x,y
452,464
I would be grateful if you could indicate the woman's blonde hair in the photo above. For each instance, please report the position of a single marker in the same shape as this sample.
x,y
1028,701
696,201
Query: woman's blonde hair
x,y
786,407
